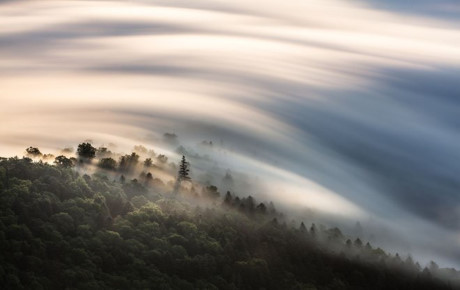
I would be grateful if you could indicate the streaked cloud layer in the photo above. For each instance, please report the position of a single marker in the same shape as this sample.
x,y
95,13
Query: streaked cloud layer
x,y
350,107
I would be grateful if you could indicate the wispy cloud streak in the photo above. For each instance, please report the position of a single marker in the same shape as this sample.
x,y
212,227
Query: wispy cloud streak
x,y
347,106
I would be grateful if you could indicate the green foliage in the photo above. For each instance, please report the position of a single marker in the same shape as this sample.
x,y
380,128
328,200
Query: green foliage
x,y
60,230
107,163
86,150
134,188
63,161
128,163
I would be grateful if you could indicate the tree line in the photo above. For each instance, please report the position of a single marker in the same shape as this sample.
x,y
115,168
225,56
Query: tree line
x,y
60,229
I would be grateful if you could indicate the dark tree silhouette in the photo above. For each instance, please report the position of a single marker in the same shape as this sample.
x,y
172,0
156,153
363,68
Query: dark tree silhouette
x,y
33,152
148,178
211,192
107,163
348,243
236,202
228,199
184,169
313,230
183,174
128,162
302,228
86,150
103,152
63,161
148,162
248,204
261,208
369,247
162,159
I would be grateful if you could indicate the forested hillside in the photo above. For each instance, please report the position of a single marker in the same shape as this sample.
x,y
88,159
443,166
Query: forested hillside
x,y
61,229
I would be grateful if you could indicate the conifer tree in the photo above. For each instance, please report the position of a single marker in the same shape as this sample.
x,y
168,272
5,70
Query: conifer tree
x,y
228,199
183,174
303,229
313,230
184,169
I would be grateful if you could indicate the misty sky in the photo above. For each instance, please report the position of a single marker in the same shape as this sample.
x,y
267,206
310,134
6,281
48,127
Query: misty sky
x,y
350,107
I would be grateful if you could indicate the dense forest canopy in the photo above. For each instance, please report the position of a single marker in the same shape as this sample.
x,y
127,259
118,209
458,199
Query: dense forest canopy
x,y
337,111
62,227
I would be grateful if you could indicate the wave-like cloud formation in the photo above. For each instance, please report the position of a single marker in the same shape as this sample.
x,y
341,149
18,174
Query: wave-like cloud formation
x,y
336,104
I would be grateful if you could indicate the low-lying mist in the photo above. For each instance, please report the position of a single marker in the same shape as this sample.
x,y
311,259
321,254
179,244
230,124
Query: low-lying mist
x,y
212,164
338,111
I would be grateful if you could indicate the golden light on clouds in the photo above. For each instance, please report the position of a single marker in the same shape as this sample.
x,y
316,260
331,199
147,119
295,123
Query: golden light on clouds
x,y
121,71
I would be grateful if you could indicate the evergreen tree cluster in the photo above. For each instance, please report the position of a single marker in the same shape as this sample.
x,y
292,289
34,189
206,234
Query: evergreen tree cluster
x,y
64,230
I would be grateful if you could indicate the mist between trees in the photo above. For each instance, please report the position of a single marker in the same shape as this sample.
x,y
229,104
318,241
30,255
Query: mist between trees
x,y
104,220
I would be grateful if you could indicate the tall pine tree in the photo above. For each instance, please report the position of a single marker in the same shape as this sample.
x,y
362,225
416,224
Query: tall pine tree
x,y
183,174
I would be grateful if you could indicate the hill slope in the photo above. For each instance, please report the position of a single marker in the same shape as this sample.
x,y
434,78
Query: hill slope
x,y
61,230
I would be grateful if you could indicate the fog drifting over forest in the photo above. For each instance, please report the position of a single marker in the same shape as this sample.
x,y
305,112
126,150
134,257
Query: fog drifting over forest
x,y
347,107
